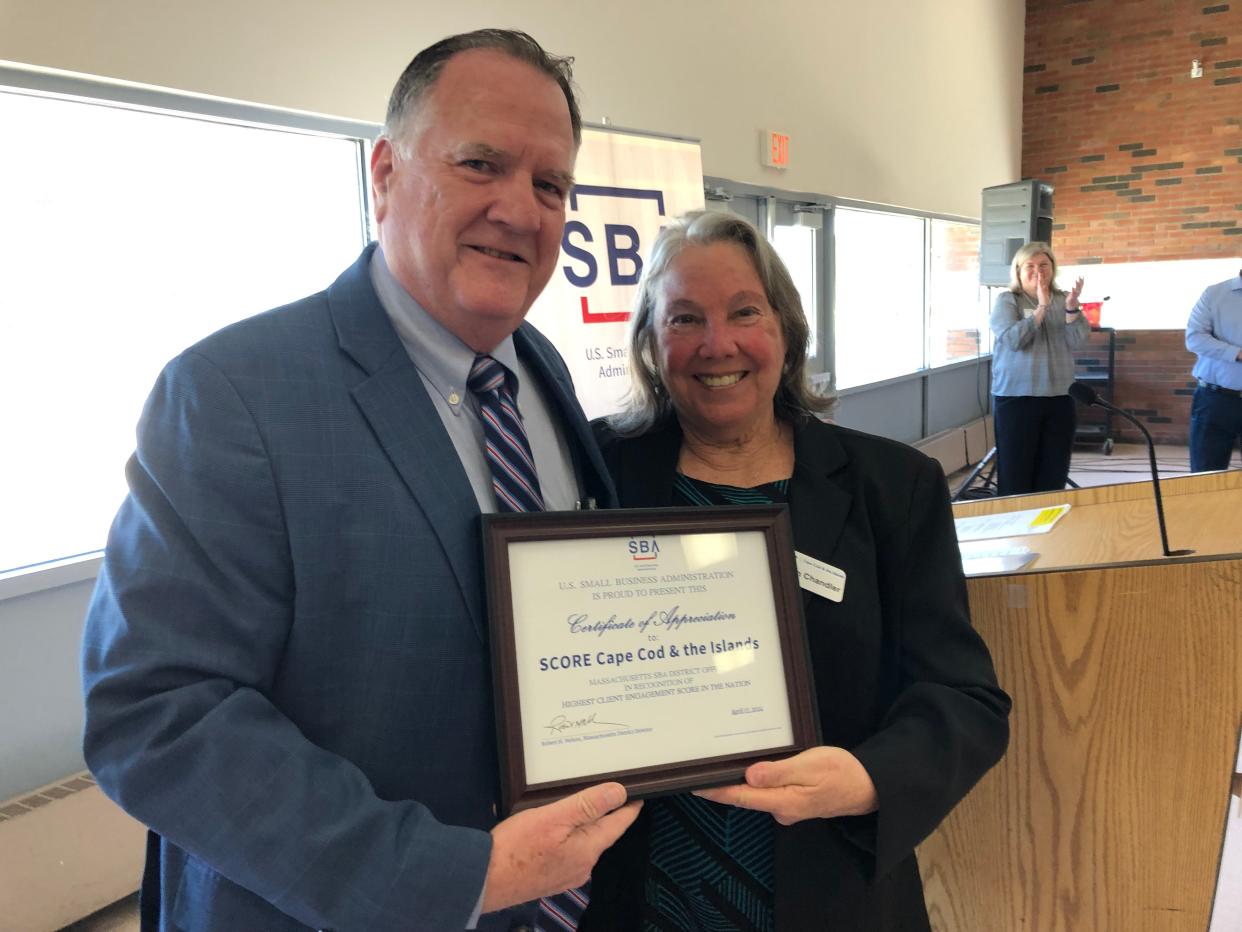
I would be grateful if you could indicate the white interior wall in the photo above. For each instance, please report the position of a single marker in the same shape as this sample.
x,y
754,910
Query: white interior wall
x,y
1148,295
916,103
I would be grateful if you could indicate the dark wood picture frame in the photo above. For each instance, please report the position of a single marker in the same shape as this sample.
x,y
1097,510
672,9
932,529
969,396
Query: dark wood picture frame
x,y
502,530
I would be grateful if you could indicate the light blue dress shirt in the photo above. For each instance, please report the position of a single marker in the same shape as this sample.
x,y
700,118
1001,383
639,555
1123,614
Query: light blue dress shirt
x,y
443,362
1214,334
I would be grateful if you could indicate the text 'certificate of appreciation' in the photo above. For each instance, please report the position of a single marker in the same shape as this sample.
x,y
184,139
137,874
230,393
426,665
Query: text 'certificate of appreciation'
x,y
603,631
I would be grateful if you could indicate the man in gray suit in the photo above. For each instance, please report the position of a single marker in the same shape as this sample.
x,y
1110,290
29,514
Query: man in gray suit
x,y
285,661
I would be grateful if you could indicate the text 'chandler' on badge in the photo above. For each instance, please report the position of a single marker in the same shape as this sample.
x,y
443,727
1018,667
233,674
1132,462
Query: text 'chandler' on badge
x,y
820,577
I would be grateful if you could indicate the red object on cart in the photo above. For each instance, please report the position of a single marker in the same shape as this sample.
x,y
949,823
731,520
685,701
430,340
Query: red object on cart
x,y
1092,311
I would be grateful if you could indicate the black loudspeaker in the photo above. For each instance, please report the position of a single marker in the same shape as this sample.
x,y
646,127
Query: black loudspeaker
x,y
1012,216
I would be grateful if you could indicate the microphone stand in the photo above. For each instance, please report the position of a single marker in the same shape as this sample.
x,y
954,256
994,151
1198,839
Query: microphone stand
x,y
1086,395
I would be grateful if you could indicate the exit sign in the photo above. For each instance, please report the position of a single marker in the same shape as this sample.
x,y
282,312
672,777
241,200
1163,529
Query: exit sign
x,y
774,149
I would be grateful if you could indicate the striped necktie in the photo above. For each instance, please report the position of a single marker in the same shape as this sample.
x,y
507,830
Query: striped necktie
x,y
563,912
517,489
508,451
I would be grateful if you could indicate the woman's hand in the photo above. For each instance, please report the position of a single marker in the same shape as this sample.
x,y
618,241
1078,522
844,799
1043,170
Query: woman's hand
x,y
1043,287
1071,299
819,783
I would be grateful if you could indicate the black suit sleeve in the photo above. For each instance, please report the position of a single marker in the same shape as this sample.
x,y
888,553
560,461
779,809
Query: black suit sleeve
x,y
948,723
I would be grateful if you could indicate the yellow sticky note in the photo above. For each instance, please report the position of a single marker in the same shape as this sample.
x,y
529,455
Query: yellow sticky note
x,y
1047,516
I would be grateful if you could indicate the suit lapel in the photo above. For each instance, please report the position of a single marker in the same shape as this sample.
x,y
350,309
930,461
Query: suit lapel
x,y
647,466
403,418
818,506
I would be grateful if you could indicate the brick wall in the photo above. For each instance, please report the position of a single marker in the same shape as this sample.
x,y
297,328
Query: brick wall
x,y
961,344
1152,381
954,276
1146,161
959,247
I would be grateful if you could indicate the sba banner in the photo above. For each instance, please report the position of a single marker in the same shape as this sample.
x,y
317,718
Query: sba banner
x,y
628,186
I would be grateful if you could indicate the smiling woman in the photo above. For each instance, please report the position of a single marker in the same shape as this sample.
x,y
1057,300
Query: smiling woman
x,y
760,291
719,413
719,344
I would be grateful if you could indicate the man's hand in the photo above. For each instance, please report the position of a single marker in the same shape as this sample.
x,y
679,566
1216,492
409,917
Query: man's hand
x,y
552,848
819,783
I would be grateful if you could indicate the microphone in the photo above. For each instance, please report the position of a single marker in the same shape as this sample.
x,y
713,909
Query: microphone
x,y
1085,394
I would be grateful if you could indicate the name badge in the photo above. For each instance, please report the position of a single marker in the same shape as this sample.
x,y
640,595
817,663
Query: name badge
x,y
819,577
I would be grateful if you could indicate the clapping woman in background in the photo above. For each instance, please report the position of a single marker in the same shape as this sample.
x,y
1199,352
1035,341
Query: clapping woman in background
x,y
1035,325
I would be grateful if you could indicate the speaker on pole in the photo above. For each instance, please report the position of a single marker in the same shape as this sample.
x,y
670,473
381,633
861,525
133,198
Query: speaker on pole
x,y
1012,216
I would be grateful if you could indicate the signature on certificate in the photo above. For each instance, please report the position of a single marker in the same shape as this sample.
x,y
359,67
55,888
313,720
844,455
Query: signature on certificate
x,y
563,723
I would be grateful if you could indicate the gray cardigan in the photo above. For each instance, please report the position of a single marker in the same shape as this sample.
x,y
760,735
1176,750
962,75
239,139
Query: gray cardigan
x,y
1029,359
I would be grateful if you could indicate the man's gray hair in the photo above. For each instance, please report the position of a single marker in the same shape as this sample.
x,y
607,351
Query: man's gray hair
x,y
421,73
647,401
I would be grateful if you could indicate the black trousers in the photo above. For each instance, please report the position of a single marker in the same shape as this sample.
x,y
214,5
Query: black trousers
x,y
1033,440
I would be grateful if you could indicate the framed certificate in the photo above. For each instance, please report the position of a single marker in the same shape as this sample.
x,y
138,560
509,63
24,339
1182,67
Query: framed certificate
x,y
663,648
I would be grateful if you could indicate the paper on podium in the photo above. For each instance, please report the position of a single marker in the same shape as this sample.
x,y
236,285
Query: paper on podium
x,y
982,557
1009,524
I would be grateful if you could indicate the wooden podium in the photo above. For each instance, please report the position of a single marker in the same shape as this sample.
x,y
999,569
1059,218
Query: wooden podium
x,y
1125,667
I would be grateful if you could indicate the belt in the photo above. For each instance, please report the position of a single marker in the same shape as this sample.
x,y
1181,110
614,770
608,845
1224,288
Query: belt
x,y
1220,389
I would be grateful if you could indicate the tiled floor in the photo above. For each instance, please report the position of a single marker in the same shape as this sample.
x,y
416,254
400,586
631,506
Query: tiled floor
x,y
1128,463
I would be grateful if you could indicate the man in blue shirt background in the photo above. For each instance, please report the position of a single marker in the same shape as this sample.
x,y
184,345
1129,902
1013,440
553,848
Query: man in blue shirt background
x,y
1214,334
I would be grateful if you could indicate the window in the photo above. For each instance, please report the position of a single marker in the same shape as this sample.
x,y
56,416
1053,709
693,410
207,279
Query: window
x,y
878,263
957,305
907,294
887,292
797,247
128,234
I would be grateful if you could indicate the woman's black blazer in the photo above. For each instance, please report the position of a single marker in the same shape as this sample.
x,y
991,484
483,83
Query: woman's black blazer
x,y
902,679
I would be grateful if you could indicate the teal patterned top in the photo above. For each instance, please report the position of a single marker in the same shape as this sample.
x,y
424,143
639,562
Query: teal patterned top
x,y
711,866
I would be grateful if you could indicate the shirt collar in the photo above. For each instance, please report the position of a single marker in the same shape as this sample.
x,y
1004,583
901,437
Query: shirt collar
x,y
438,354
